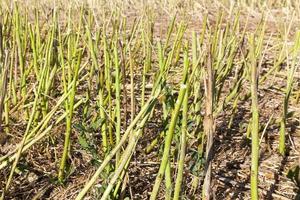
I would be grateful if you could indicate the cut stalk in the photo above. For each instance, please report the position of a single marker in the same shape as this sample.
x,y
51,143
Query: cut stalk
x,y
179,178
255,121
208,124
3,91
118,100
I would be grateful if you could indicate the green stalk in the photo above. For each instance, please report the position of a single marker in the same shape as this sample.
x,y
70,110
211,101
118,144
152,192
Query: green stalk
x,y
50,65
122,180
255,122
103,116
13,75
34,51
144,73
107,66
20,50
3,94
118,100
179,178
289,88
71,99
168,180
93,52
132,92
147,40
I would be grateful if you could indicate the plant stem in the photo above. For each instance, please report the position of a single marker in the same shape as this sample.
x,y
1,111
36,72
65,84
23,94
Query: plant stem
x,y
184,130
255,122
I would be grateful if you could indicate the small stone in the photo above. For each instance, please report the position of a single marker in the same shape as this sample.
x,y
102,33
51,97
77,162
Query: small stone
x,y
32,177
